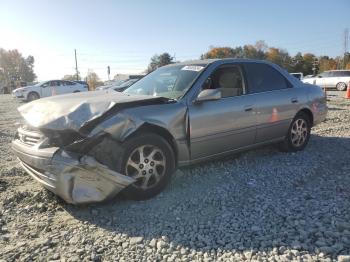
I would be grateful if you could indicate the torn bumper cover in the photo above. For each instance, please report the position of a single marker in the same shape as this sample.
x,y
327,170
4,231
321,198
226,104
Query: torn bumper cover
x,y
75,178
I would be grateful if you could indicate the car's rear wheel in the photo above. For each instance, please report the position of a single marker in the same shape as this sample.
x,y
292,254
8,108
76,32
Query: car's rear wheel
x,y
33,96
150,160
298,134
341,86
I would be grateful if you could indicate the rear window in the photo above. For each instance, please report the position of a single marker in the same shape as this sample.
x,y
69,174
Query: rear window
x,y
263,77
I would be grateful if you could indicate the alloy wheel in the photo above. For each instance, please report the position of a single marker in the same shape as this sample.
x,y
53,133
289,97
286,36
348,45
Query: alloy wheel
x,y
299,132
146,164
341,86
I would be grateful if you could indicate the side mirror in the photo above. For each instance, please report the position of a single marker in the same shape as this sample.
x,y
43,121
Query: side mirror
x,y
208,95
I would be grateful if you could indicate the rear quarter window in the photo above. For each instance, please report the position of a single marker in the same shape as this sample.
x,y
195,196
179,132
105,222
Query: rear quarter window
x,y
263,77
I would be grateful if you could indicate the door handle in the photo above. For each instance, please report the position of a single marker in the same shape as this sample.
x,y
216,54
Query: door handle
x,y
294,100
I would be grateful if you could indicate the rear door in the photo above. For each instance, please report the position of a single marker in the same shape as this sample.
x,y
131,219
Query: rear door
x,y
226,124
70,87
332,79
277,101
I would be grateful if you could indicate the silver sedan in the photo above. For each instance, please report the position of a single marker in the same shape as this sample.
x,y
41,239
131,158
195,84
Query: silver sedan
x,y
89,147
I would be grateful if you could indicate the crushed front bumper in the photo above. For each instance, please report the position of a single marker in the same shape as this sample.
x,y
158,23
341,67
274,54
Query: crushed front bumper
x,y
75,178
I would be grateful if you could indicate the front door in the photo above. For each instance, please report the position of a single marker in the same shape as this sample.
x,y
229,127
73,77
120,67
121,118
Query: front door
x,y
225,124
46,89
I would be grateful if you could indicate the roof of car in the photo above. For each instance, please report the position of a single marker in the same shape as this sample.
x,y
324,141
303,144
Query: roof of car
x,y
210,61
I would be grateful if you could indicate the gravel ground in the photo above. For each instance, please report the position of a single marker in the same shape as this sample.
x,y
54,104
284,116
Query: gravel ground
x,y
261,205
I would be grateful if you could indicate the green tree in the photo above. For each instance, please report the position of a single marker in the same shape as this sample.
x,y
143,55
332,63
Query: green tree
x,y
15,67
219,52
279,57
308,61
159,60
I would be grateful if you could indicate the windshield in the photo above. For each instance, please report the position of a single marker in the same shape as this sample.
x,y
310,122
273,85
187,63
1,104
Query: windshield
x,y
127,83
171,82
40,83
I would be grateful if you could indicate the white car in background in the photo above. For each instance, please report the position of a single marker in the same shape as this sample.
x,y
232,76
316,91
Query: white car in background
x,y
48,88
338,79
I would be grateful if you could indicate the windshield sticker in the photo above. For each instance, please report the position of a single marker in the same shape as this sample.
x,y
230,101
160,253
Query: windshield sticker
x,y
193,68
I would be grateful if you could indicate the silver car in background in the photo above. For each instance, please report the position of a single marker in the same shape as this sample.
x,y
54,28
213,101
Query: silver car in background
x,y
338,79
87,148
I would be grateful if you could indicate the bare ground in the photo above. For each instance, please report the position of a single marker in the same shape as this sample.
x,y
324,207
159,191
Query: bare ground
x,y
260,205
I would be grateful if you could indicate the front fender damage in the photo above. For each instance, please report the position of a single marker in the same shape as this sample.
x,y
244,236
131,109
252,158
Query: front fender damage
x,y
85,168
82,180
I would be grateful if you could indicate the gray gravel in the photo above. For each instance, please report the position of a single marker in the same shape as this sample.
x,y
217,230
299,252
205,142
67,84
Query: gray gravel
x,y
262,205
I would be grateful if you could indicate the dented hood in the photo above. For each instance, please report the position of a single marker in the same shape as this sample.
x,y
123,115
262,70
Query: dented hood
x,y
74,111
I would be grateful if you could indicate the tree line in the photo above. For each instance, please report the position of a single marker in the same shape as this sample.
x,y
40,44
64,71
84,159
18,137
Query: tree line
x,y
15,68
306,63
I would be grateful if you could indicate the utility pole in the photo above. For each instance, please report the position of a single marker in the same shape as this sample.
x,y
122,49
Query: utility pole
x,y
315,66
76,64
346,42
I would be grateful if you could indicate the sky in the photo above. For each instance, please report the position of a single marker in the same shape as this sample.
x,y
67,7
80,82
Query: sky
x,y
126,34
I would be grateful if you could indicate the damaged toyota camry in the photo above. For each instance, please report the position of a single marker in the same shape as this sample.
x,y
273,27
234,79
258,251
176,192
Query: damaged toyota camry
x,y
89,147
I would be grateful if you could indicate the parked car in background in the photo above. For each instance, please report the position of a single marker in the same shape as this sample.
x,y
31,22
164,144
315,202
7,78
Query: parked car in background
x,y
111,84
87,148
125,85
82,83
297,75
48,88
338,79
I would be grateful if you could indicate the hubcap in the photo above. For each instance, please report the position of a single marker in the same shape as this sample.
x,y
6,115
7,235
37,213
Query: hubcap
x,y
146,164
299,132
341,86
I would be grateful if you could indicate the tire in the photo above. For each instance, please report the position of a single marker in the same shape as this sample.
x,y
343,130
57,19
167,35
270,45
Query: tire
x,y
298,134
151,177
33,96
341,86
76,91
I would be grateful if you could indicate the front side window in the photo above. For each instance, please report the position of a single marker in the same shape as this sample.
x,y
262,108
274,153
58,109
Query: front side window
x,y
325,74
263,77
228,79
45,84
170,81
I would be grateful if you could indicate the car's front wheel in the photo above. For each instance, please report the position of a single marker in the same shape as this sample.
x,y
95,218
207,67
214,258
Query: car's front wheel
x,y
298,134
341,86
33,96
150,160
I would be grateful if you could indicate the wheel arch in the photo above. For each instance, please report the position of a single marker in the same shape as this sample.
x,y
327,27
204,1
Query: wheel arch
x,y
33,92
307,112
